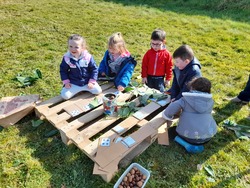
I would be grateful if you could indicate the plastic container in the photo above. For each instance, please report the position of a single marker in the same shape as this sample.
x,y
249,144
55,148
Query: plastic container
x,y
139,167
110,104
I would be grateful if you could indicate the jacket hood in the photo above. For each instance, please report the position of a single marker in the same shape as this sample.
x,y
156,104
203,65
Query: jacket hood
x,y
195,61
200,102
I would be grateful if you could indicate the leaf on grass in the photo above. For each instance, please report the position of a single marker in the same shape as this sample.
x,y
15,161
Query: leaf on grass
x,y
51,133
75,174
244,138
238,133
246,133
36,123
241,131
229,122
38,73
199,167
28,80
17,162
210,171
209,179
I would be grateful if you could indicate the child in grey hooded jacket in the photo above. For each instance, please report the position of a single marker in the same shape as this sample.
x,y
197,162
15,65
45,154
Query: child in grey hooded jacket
x,y
196,124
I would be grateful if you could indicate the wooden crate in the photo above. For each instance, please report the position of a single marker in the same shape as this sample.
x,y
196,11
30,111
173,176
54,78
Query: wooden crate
x,y
86,128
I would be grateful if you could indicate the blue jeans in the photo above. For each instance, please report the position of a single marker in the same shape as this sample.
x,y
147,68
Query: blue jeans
x,y
244,95
156,82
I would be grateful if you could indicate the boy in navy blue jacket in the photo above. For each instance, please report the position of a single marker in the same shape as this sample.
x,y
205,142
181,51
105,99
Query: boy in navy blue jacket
x,y
78,69
186,68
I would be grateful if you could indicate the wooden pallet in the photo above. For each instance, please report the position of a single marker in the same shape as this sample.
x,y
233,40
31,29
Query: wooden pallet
x,y
86,128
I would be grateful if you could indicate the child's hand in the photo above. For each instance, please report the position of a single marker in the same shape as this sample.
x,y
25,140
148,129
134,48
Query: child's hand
x,y
120,88
68,85
144,80
103,74
90,85
167,83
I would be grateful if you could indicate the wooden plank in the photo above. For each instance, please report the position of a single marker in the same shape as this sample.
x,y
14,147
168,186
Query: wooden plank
x,y
50,102
46,111
142,122
157,121
56,119
104,158
82,120
107,173
145,111
133,153
126,124
43,107
98,126
73,110
90,149
163,135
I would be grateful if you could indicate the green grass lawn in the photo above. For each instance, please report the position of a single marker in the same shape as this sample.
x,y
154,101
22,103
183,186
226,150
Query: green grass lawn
x,y
33,35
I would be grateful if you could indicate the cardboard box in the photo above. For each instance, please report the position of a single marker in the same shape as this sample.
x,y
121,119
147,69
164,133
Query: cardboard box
x,y
139,167
12,109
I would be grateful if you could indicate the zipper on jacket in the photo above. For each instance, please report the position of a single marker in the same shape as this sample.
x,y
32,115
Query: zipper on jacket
x,y
155,65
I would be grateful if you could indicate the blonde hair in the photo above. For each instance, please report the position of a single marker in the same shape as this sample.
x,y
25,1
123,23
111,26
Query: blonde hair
x,y
77,37
116,41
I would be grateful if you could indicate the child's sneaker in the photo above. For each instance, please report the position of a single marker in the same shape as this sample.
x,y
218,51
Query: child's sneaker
x,y
237,100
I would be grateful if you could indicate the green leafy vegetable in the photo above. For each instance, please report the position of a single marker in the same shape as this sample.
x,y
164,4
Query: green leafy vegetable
x,y
36,123
241,131
28,80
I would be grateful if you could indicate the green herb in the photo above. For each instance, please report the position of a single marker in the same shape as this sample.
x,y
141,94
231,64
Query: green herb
x,y
28,80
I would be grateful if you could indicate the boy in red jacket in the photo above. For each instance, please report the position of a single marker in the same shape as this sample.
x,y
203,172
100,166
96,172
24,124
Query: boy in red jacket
x,y
157,63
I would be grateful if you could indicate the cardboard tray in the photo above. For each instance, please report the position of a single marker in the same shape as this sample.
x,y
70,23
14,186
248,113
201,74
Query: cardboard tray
x,y
142,169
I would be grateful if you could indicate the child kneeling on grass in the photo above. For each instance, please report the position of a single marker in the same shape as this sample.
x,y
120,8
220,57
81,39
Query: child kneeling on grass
x,y
196,125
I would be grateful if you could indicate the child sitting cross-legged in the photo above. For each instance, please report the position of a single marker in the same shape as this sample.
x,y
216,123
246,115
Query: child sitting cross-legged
x,y
196,125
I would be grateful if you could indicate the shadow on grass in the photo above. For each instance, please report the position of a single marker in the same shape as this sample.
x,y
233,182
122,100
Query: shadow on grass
x,y
226,111
68,166
172,166
214,9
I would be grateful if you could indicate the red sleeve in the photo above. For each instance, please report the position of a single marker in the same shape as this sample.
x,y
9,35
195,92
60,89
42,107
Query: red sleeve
x,y
169,66
144,70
